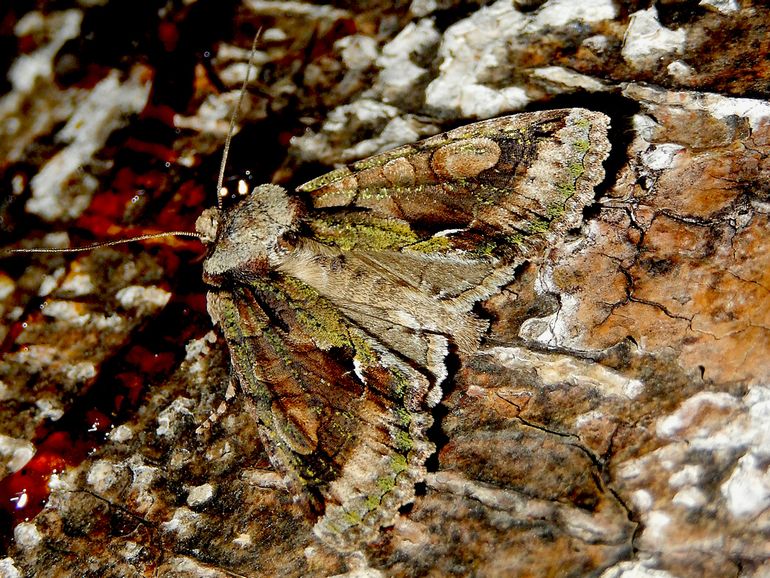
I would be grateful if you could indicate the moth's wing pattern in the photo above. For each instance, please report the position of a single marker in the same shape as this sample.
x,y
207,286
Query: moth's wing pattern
x,y
504,187
339,325
343,417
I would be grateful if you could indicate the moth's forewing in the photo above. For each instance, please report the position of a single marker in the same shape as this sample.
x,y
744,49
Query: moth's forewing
x,y
510,182
339,318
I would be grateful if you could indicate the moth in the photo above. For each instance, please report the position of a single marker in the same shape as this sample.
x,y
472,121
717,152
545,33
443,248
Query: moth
x,y
341,303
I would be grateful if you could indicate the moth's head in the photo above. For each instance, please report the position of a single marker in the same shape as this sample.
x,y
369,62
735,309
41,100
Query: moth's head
x,y
244,237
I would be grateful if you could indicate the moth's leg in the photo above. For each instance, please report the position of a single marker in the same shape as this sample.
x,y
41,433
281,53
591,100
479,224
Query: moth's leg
x,y
220,410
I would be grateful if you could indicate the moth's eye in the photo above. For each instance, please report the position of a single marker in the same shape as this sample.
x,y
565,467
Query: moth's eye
x,y
243,188
207,225
223,193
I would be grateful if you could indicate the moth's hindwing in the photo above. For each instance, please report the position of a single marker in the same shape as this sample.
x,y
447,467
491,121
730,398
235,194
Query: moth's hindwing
x,y
339,317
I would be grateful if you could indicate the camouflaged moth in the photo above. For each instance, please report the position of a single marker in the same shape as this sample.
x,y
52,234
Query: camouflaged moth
x,y
341,304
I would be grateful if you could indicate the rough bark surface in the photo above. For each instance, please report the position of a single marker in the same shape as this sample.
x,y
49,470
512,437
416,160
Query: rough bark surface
x,y
613,422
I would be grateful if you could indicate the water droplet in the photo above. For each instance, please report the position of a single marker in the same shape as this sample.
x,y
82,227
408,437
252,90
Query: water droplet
x,y
21,500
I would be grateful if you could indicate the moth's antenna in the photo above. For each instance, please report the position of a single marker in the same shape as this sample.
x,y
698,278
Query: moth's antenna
x,y
221,192
105,243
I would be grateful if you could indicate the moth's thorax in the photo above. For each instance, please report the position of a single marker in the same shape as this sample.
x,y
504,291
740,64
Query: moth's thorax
x,y
245,238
